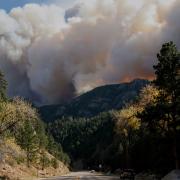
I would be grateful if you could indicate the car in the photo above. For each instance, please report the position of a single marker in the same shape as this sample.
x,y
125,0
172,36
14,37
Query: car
x,y
127,174
92,171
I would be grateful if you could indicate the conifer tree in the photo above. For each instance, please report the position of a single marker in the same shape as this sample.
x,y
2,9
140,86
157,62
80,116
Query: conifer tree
x,y
3,87
164,114
28,140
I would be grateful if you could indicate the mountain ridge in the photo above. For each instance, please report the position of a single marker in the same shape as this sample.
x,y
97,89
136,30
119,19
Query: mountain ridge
x,y
100,99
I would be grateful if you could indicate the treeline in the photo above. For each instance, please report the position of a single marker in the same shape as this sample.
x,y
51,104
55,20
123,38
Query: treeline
x,y
20,121
144,135
90,140
116,139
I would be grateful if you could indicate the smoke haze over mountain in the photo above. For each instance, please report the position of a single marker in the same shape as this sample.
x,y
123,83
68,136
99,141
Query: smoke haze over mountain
x,y
49,54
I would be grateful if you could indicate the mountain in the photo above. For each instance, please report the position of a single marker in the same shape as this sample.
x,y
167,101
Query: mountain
x,y
100,99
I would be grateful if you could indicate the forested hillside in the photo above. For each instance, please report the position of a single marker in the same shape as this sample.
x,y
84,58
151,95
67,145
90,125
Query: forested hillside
x,y
25,147
98,100
142,130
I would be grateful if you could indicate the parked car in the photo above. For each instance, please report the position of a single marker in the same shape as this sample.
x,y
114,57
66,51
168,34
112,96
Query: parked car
x,y
92,171
127,174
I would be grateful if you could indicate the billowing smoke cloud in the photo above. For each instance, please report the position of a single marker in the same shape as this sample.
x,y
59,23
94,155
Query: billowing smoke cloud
x,y
49,54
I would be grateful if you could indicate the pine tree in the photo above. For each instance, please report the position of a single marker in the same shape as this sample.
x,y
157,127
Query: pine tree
x,y
164,114
3,87
28,140
44,160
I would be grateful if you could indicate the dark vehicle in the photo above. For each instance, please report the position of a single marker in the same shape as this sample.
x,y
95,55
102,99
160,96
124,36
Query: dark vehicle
x,y
127,174
92,171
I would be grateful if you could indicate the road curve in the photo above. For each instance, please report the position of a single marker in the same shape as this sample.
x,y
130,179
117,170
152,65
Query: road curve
x,y
83,176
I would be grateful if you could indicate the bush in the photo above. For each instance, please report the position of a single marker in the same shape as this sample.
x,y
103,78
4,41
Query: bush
x,y
4,178
44,161
54,163
20,159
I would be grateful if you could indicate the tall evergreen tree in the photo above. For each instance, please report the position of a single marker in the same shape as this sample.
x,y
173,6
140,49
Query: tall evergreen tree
x,y
28,140
44,160
3,87
164,114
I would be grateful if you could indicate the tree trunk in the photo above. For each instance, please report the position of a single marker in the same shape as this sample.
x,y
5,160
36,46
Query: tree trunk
x,y
28,157
127,163
175,154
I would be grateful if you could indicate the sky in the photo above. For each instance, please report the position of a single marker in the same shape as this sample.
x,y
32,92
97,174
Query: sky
x,y
9,4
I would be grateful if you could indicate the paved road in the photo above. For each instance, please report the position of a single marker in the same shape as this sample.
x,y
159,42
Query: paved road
x,y
83,176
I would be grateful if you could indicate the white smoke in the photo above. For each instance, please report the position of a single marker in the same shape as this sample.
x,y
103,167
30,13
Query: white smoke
x,y
49,54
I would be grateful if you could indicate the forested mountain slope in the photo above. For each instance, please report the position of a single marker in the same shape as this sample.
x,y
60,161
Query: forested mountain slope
x,y
98,100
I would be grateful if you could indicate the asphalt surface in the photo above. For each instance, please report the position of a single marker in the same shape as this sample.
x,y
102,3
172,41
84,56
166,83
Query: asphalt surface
x,y
83,176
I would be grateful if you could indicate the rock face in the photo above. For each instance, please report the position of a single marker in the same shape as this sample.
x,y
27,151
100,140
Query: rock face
x,y
98,100
173,175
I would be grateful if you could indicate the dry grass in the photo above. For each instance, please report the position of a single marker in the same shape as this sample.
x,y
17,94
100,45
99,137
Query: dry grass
x,y
13,166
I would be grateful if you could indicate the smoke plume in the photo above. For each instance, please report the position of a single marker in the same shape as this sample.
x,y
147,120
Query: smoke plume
x,y
49,54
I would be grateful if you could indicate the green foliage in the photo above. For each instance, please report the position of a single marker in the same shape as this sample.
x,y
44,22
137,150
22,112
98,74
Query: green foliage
x,y
41,134
84,138
167,69
28,140
44,160
56,150
19,119
127,125
20,159
14,113
3,87
54,163
4,178
163,115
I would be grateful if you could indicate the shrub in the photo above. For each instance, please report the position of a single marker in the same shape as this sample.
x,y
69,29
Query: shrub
x,y
54,163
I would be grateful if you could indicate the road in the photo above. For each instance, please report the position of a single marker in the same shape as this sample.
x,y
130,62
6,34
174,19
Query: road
x,y
83,176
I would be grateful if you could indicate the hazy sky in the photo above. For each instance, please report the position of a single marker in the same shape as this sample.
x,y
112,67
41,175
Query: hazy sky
x,y
9,4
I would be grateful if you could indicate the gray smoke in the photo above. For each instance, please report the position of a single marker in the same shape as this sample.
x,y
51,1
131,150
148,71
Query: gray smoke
x,y
50,54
